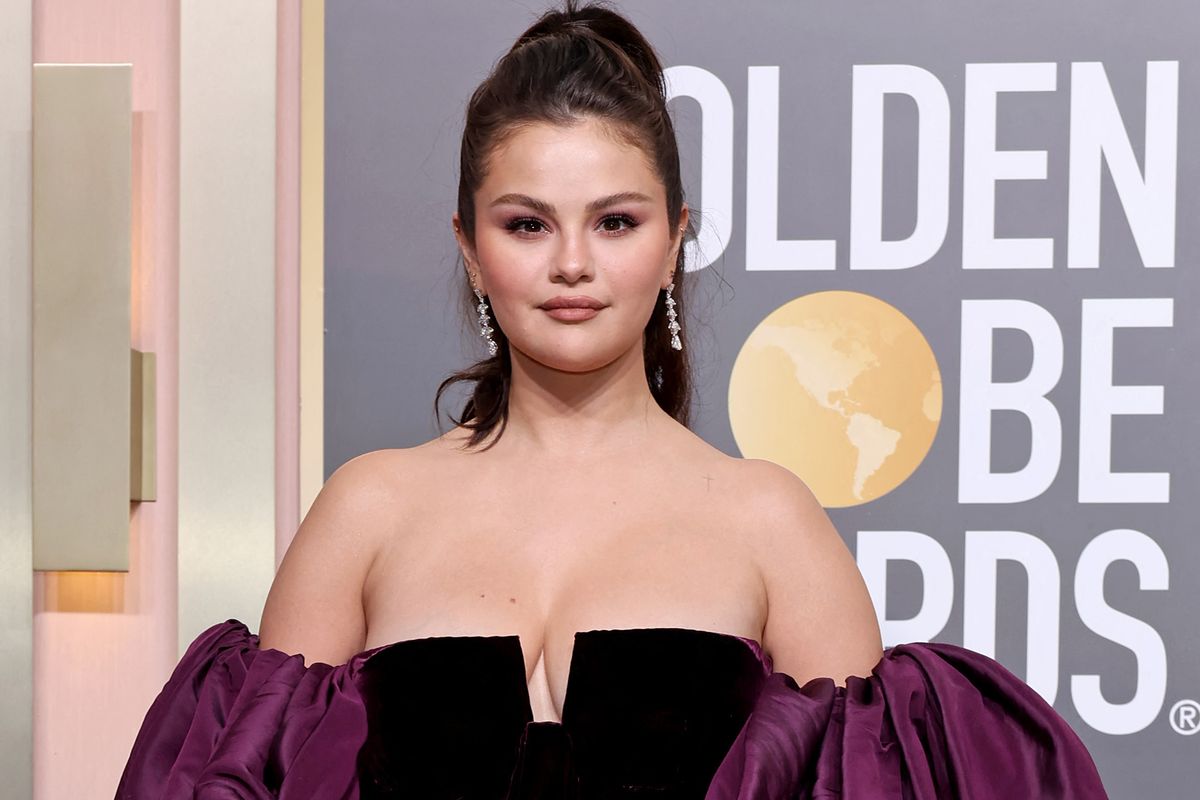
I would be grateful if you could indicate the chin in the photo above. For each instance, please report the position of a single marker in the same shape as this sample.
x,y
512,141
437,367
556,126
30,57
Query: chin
x,y
564,359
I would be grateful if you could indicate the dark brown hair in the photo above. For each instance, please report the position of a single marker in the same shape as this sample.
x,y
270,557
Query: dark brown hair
x,y
580,61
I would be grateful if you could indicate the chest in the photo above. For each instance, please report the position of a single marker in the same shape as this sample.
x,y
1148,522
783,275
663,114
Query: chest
x,y
543,572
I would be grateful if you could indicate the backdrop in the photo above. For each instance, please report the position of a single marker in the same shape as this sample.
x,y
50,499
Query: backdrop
x,y
941,279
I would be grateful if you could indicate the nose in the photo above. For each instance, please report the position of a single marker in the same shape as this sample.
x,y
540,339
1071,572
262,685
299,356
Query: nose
x,y
573,261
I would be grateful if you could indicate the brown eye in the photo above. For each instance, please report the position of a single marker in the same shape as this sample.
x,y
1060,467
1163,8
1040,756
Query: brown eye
x,y
523,224
624,219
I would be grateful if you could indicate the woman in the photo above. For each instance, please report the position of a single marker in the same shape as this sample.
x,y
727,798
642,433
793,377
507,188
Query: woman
x,y
569,594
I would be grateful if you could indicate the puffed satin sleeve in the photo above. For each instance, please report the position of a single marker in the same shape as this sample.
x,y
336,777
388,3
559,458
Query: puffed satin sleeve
x,y
931,721
234,721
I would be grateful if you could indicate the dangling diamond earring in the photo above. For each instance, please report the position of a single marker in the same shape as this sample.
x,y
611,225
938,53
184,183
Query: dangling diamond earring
x,y
672,325
485,330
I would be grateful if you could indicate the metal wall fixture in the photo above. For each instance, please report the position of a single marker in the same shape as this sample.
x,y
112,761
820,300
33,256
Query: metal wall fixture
x,y
93,395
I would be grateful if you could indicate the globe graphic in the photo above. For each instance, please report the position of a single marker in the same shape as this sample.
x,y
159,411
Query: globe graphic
x,y
842,389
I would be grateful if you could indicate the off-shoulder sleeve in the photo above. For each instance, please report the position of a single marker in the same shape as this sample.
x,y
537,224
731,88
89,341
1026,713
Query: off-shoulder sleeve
x,y
931,721
234,721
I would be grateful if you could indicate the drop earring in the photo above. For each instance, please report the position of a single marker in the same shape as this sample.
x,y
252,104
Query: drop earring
x,y
672,324
485,329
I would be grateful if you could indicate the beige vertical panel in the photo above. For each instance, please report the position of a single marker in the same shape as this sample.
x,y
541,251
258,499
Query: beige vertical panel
x,y
16,419
82,158
287,275
143,479
312,252
226,312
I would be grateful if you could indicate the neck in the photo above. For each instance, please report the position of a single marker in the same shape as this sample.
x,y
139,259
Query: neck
x,y
580,415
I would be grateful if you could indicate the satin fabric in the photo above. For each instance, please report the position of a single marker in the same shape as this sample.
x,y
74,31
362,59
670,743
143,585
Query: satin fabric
x,y
234,721
931,721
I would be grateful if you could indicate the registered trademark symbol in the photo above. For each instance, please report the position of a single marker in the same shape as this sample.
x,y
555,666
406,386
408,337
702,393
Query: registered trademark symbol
x,y
1185,717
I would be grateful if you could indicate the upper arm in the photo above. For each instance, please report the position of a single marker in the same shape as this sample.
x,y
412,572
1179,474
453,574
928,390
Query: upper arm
x,y
315,604
820,618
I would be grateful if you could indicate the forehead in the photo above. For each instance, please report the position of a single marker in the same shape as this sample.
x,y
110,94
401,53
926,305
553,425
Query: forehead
x,y
587,158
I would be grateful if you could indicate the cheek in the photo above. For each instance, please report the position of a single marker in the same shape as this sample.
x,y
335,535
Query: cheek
x,y
505,268
640,271
513,283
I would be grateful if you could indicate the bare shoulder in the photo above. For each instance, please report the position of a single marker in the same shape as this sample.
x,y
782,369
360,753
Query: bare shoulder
x,y
315,607
778,495
820,618
363,495
782,506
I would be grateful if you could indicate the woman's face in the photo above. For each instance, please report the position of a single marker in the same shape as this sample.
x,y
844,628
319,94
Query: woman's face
x,y
571,213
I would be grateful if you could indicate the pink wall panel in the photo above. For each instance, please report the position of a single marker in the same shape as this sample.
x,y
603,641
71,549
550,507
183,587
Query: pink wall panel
x,y
105,643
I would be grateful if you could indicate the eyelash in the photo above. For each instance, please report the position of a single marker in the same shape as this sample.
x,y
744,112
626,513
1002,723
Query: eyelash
x,y
514,226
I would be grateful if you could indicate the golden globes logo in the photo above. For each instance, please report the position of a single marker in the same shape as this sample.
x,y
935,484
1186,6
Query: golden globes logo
x,y
842,389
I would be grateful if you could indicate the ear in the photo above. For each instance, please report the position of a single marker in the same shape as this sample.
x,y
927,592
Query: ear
x,y
676,243
468,254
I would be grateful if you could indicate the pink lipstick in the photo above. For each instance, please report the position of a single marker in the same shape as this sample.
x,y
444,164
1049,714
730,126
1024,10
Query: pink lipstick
x,y
572,308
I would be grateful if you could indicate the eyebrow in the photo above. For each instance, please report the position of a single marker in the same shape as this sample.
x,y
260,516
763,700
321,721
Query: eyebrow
x,y
546,208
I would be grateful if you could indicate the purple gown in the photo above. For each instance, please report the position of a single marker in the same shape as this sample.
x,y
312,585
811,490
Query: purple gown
x,y
667,713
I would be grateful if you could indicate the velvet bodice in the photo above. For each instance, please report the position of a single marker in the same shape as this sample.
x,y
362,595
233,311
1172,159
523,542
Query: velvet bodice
x,y
648,712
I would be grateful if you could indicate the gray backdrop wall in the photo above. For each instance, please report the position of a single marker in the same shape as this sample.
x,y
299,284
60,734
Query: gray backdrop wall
x,y
948,275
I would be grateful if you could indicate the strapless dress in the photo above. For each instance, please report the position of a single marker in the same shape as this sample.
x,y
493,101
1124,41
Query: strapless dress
x,y
664,713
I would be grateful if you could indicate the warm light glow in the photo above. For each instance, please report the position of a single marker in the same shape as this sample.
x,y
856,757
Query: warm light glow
x,y
97,592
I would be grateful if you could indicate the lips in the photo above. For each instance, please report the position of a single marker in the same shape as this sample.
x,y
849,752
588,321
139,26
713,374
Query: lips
x,y
573,301
572,308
